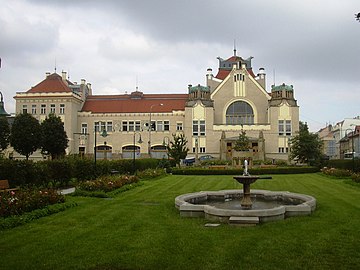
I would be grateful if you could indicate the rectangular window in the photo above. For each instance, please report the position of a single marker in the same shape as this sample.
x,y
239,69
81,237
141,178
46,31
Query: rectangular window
x,y
131,125
52,108
124,126
153,125
33,109
166,125
24,109
62,109
84,128
43,108
194,150
102,126
195,128
138,125
109,126
288,128
179,126
96,127
202,128
281,127
159,126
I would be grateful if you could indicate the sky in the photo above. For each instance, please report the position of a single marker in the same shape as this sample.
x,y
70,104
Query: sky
x,y
161,46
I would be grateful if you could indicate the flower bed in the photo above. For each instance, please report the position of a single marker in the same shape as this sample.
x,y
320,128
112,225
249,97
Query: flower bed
x,y
108,183
27,200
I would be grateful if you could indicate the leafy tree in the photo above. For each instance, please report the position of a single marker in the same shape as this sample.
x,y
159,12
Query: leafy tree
x,y
242,143
306,146
54,140
4,133
25,134
177,148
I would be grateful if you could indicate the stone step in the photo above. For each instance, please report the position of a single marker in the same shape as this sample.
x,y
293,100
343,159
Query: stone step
x,y
244,221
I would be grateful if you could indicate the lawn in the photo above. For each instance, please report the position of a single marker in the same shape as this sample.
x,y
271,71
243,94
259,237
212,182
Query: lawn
x,y
141,229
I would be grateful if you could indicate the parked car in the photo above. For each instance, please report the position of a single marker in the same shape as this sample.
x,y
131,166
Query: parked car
x,y
206,157
189,161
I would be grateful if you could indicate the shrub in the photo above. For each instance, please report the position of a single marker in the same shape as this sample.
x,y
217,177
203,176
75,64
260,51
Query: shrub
x,y
26,200
108,183
336,172
150,174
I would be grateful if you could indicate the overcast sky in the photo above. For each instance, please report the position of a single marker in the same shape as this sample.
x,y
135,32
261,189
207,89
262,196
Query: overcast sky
x,y
164,45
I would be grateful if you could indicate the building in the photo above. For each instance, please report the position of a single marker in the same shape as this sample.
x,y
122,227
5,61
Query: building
x,y
141,124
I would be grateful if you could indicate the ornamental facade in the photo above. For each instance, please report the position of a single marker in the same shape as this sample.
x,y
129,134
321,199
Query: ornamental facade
x,y
138,124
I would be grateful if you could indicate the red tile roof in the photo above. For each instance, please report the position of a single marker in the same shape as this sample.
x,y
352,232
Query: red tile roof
x,y
223,73
52,84
127,104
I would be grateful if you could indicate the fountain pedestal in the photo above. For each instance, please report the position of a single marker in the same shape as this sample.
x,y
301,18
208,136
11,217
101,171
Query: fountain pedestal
x,y
246,181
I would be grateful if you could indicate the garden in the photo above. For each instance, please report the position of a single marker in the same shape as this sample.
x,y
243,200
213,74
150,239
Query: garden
x,y
136,226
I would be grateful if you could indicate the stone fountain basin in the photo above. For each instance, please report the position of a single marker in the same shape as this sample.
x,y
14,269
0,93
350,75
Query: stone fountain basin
x,y
193,205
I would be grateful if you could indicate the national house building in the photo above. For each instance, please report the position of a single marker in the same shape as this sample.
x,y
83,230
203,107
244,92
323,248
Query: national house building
x,y
141,124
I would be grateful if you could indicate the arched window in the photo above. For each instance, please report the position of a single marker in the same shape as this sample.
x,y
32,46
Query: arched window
x,y
239,112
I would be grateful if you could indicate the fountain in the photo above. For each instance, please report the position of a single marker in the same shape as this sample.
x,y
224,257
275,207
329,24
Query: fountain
x,y
225,205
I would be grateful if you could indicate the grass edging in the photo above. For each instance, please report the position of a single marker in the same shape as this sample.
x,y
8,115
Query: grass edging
x,y
14,221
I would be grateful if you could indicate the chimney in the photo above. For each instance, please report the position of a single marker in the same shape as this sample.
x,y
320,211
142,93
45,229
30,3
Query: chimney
x,y
261,77
63,75
47,74
83,81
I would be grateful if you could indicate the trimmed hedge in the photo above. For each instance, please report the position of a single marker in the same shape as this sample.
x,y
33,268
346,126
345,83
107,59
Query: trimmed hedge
x,y
254,171
59,172
344,164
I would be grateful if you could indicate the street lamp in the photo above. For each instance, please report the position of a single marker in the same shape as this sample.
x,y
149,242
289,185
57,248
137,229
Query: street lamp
x,y
352,146
103,134
134,147
150,127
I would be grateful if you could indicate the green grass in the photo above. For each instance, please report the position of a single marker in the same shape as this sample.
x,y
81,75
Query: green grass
x,y
141,229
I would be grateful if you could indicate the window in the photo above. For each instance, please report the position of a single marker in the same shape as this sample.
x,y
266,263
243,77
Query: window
x,y
166,125
195,128
199,128
202,149
131,126
284,127
109,126
43,108
281,127
62,109
179,126
159,126
288,127
239,112
124,126
33,109
52,108
24,109
138,125
202,128
84,128
96,127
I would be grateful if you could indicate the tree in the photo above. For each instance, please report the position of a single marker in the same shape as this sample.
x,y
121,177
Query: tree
x,y
242,143
54,140
25,134
177,148
306,146
4,133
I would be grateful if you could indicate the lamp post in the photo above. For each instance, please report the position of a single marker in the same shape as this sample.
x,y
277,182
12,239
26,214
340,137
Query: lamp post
x,y
103,134
352,146
134,149
150,127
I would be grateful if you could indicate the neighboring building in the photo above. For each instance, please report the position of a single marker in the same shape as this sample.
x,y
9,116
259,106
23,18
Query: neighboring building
x,y
337,135
211,117
326,134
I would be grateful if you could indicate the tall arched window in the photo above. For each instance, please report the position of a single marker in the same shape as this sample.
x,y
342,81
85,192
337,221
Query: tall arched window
x,y
239,112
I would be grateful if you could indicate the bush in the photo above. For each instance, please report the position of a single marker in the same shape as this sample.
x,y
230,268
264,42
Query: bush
x,y
27,200
253,171
108,183
340,173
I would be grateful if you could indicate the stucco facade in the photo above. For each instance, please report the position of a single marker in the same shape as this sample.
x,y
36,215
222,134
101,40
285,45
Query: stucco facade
x,y
210,116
